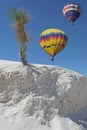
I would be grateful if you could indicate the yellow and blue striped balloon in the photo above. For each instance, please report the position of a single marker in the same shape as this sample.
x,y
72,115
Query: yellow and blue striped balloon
x,y
53,41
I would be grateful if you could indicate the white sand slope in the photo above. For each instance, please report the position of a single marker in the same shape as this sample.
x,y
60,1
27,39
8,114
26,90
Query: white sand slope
x,y
41,97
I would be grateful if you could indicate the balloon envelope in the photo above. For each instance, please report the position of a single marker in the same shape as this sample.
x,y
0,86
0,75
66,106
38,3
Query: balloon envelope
x,y
53,41
72,11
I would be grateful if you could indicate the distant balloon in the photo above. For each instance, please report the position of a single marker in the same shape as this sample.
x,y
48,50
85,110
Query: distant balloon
x,y
53,41
72,11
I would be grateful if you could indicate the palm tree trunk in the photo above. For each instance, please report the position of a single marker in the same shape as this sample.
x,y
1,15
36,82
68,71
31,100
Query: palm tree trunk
x,y
23,53
21,35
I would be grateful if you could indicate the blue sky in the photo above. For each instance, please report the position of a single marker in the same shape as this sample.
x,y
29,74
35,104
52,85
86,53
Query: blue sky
x,y
46,14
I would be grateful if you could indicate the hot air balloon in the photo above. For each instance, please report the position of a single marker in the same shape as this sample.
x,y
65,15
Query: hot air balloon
x,y
53,41
72,11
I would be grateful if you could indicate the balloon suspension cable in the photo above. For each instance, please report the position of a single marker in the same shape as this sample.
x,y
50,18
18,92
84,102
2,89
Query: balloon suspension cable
x,y
52,58
72,22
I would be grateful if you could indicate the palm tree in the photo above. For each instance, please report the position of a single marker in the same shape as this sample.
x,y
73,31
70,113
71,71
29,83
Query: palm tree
x,y
21,18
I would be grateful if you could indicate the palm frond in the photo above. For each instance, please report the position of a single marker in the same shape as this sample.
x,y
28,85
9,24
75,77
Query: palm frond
x,y
13,14
19,16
